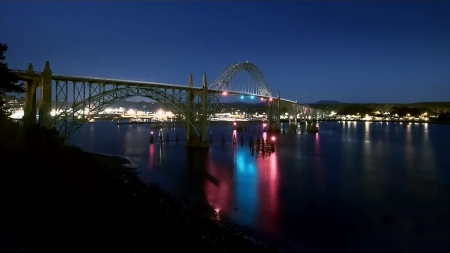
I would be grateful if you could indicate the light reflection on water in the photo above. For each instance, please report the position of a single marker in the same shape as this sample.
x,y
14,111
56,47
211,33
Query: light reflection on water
x,y
354,185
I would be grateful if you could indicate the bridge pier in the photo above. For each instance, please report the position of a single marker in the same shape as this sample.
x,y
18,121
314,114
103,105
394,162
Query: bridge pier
x,y
204,118
193,140
44,82
45,119
30,104
189,105
278,112
274,114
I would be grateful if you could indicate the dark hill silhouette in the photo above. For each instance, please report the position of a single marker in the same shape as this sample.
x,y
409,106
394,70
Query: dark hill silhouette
x,y
327,102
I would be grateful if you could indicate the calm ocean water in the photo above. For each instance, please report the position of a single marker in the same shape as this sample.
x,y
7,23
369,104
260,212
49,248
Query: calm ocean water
x,y
353,186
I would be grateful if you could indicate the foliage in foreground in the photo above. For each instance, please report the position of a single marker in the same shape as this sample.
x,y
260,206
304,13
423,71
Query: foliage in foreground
x,y
9,82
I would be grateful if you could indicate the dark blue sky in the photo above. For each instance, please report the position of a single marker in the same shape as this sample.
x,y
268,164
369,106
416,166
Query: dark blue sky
x,y
350,52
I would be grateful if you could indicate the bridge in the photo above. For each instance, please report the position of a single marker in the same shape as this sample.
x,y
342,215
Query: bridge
x,y
76,98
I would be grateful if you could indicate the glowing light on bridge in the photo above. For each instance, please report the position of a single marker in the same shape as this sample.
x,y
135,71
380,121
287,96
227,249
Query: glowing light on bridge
x,y
242,97
224,93
252,97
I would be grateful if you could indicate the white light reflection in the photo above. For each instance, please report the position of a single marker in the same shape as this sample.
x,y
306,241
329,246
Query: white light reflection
x,y
366,131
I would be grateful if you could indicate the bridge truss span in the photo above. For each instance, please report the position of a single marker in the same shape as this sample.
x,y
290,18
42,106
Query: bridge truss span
x,y
90,98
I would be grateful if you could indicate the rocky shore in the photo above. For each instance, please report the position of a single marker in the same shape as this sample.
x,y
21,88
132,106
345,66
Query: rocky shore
x,y
56,198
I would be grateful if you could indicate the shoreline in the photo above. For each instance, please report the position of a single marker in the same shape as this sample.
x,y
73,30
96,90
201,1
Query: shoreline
x,y
389,121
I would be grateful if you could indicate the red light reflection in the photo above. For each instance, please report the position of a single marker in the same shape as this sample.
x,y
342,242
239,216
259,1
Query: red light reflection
x,y
219,197
151,158
268,203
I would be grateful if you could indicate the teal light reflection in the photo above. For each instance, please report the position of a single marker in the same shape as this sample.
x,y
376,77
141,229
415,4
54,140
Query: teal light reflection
x,y
246,184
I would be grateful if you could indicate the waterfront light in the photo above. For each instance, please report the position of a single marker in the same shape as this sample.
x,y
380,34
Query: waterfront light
x,y
252,97
225,93
242,97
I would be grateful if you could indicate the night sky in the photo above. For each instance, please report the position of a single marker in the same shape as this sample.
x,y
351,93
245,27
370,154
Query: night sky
x,y
310,51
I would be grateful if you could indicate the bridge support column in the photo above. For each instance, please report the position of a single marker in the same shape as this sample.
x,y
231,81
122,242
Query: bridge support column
x,y
29,119
200,141
278,112
274,124
30,104
189,104
204,122
45,119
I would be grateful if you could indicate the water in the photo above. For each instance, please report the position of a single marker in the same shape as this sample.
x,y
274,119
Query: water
x,y
353,186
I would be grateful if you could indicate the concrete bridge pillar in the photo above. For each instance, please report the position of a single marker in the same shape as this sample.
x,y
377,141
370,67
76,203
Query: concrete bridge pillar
x,y
189,105
204,119
278,112
45,119
30,100
192,140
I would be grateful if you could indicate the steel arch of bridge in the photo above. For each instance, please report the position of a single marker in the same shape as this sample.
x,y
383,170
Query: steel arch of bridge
x,y
222,82
70,121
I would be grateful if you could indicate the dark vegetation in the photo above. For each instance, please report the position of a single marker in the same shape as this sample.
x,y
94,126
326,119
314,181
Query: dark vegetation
x,y
56,198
